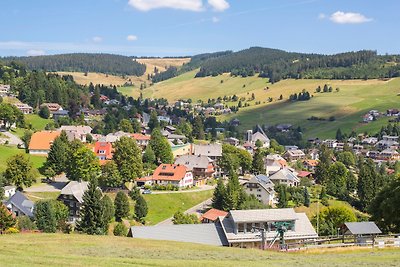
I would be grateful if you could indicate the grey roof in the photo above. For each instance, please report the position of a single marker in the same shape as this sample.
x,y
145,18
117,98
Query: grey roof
x,y
284,174
362,228
22,203
193,161
208,233
263,181
76,189
263,215
210,150
82,129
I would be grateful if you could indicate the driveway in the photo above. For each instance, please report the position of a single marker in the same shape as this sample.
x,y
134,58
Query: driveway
x,y
51,187
12,138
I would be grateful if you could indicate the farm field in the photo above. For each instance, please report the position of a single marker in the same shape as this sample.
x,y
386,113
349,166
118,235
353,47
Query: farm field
x,y
84,250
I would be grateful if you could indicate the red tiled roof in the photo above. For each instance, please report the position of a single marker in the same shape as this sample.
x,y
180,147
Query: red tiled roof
x,y
302,174
213,214
106,146
145,179
170,172
139,136
43,140
311,162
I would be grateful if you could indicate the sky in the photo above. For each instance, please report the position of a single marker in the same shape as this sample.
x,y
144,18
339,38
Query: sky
x,y
189,27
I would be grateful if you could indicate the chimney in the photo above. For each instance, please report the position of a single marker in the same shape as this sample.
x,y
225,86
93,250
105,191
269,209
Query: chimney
x,y
249,135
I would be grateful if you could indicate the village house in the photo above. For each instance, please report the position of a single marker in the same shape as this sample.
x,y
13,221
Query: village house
x,y
330,143
60,114
202,167
53,107
76,132
232,141
20,205
234,122
240,227
212,215
314,154
24,108
274,163
213,151
142,140
72,196
286,177
9,191
262,188
103,150
392,112
4,90
249,147
258,135
389,155
369,141
294,154
388,142
180,150
310,164
177,175
41,142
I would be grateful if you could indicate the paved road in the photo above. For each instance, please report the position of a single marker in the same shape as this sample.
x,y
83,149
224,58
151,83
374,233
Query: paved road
x,y
52,187
12,139
193,210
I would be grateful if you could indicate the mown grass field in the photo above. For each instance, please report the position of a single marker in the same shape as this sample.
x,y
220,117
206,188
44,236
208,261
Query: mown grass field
x,y
83,250
8,151
163,206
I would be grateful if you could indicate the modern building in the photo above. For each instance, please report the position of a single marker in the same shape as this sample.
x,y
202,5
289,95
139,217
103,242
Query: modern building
x,y
262,188
177,175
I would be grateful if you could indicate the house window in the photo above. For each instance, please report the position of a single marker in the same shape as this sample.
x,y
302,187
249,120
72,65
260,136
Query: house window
x,y
249,227
240,227
259,196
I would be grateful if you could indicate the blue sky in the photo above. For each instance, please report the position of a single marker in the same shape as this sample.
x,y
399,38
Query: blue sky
x,y
188,27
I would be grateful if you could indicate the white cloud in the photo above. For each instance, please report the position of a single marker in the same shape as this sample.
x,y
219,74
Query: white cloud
x,y
97,39
218,5
341,17
131,37
146,5
215,19
321,16
35,52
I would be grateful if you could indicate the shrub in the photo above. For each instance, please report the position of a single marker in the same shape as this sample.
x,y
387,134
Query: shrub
x,y
11,230
120,230
25,223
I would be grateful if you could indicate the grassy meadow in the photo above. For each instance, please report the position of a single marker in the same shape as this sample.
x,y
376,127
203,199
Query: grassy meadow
x,y
8,151
163,206
83,250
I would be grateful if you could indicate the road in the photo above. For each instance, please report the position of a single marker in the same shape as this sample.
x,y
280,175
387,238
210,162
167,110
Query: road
x,y
12,138
193,210
203,188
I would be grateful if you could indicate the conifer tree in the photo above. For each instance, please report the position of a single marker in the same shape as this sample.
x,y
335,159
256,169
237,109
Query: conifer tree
x,y
121,204
366,188
153,122
198,128
6,219
306,197
219,195
92,211
282,196
141,208
258,162
59,154
108,208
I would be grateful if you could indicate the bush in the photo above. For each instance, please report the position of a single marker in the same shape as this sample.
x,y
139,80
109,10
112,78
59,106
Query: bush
x,y
11,230
120,230
25,223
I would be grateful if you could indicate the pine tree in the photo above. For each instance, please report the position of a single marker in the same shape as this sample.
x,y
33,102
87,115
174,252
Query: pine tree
x,y
141,208
198,128
365,188
306,197
59,154
92,211
108,208
6,219
219,195
121,204
282,196
258,162
153,122
128,158
339,135
162,150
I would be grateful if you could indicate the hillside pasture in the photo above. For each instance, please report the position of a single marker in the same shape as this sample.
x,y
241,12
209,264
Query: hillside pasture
x,y
84,250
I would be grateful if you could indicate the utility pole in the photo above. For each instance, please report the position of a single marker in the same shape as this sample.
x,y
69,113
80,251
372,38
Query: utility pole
x,y
263,236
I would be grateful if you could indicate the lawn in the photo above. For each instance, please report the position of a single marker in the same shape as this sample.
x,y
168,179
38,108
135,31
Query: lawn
x,y
83,250
36,196
8,151
36,121
163,206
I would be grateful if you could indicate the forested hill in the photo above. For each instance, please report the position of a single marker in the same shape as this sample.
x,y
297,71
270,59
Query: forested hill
x,y
278,64
83,62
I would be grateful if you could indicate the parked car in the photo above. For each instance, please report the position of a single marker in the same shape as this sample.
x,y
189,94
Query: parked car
x,y
147,191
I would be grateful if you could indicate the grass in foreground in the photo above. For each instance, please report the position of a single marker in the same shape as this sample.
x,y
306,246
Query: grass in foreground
x,y
8,151
163,206
83,250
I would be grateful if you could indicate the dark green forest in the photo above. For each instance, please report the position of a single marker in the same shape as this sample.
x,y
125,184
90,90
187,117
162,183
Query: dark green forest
x,y
83,62
277,64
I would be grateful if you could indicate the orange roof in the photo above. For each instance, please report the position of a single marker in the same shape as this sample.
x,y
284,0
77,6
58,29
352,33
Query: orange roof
x,y
43,140
170,172
302,174
282,162
106,147
213,214
311,162
145,178
139,136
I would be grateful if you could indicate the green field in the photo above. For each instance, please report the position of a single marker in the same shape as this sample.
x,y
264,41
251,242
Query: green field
x,y
8,151
36,122
83,250
163,206
354,99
